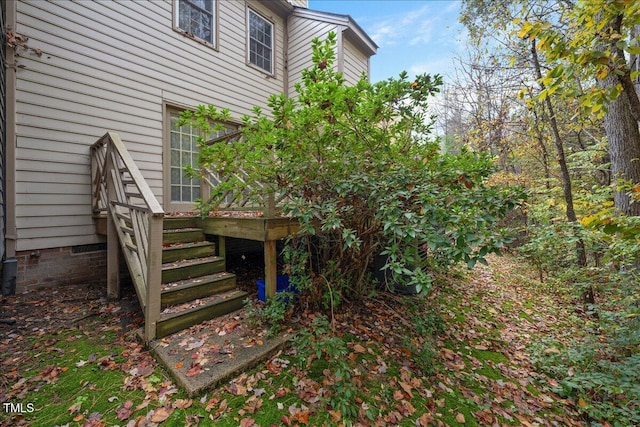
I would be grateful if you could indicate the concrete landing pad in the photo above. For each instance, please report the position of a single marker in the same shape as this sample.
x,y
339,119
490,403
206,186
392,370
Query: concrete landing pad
x,y
205,355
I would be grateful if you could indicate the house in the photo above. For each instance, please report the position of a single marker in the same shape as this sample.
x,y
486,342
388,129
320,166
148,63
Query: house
x,y
78,69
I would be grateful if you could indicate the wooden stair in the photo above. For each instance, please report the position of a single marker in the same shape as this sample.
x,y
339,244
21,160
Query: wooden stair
x,y
195,286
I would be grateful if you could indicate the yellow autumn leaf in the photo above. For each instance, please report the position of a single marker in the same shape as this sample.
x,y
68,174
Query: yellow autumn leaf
x,y
596,107
526,27
602,73
588,220
582,403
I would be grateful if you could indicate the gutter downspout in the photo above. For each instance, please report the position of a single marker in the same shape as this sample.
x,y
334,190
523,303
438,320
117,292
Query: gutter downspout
x,y
10,264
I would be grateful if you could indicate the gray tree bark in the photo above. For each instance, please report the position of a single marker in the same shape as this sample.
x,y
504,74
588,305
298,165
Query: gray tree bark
x,y
621,127
624,147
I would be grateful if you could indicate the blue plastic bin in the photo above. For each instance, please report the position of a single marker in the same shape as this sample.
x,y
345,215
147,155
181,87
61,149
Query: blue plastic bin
x,y
282,284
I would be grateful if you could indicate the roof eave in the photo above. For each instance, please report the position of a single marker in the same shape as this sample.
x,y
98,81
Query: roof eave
x,y
353,31
281,7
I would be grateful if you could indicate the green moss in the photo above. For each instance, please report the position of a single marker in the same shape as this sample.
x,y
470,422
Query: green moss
x,y
488,355
525,316
460,317
533,390
456,404
508,305
93,389
490,372
482,329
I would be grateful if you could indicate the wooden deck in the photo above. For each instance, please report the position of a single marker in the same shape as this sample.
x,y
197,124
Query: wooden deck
x,y
266,230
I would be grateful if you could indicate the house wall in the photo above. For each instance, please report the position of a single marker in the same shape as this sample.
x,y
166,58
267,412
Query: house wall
x,y
299,3
113,66
94,67
301,32
354,62
304,25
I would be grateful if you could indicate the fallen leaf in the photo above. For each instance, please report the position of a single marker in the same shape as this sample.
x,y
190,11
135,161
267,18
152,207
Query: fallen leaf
x,y
74,408
160,415
124,411
143,405
194,345
195,370
192,420
182,403
359,349
247,422
460,418
425,420
406,387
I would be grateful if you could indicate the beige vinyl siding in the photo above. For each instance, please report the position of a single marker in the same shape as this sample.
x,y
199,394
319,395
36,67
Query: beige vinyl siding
x,y
301,33
113,66
299,3
355,62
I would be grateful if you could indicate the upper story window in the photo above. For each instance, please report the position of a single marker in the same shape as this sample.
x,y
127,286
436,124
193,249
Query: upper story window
x,y
196,18
260,42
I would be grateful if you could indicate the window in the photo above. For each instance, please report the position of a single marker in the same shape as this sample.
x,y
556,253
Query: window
x,y
183,151
260,42
196,18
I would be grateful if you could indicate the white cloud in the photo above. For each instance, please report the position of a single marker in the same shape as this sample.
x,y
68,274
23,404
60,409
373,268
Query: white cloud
x,y
412,27
384,34
433,66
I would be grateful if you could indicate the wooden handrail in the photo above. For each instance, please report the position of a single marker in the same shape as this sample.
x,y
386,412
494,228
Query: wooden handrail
x,y
134,223
268,202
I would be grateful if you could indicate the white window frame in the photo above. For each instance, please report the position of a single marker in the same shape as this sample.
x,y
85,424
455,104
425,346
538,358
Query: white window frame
x,y
186,31
271,70
169,203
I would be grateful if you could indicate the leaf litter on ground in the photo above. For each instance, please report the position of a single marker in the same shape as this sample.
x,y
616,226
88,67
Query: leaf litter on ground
x,y
481,373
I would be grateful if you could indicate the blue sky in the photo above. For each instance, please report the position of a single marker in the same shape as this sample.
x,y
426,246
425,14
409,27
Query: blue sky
x,y
419,36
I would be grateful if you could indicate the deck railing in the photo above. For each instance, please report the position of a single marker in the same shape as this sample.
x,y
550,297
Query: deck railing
x,y
134,223
243,199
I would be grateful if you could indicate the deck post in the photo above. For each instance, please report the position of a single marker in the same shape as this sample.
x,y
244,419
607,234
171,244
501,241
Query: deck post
x,y
113,260
269,208
154,277
270,268
222,250
113,245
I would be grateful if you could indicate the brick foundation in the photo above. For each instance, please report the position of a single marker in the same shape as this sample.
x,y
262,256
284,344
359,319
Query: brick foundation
x,y
60,266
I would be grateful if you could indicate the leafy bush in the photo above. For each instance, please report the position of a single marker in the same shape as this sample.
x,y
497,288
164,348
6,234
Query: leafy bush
x,y
318,343
363,175
601,371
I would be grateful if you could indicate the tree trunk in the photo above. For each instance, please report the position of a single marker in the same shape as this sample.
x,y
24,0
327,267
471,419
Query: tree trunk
x,y
624,148
562,162
621,127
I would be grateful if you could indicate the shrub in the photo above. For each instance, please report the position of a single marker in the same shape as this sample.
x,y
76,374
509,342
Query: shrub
x,y
362,173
